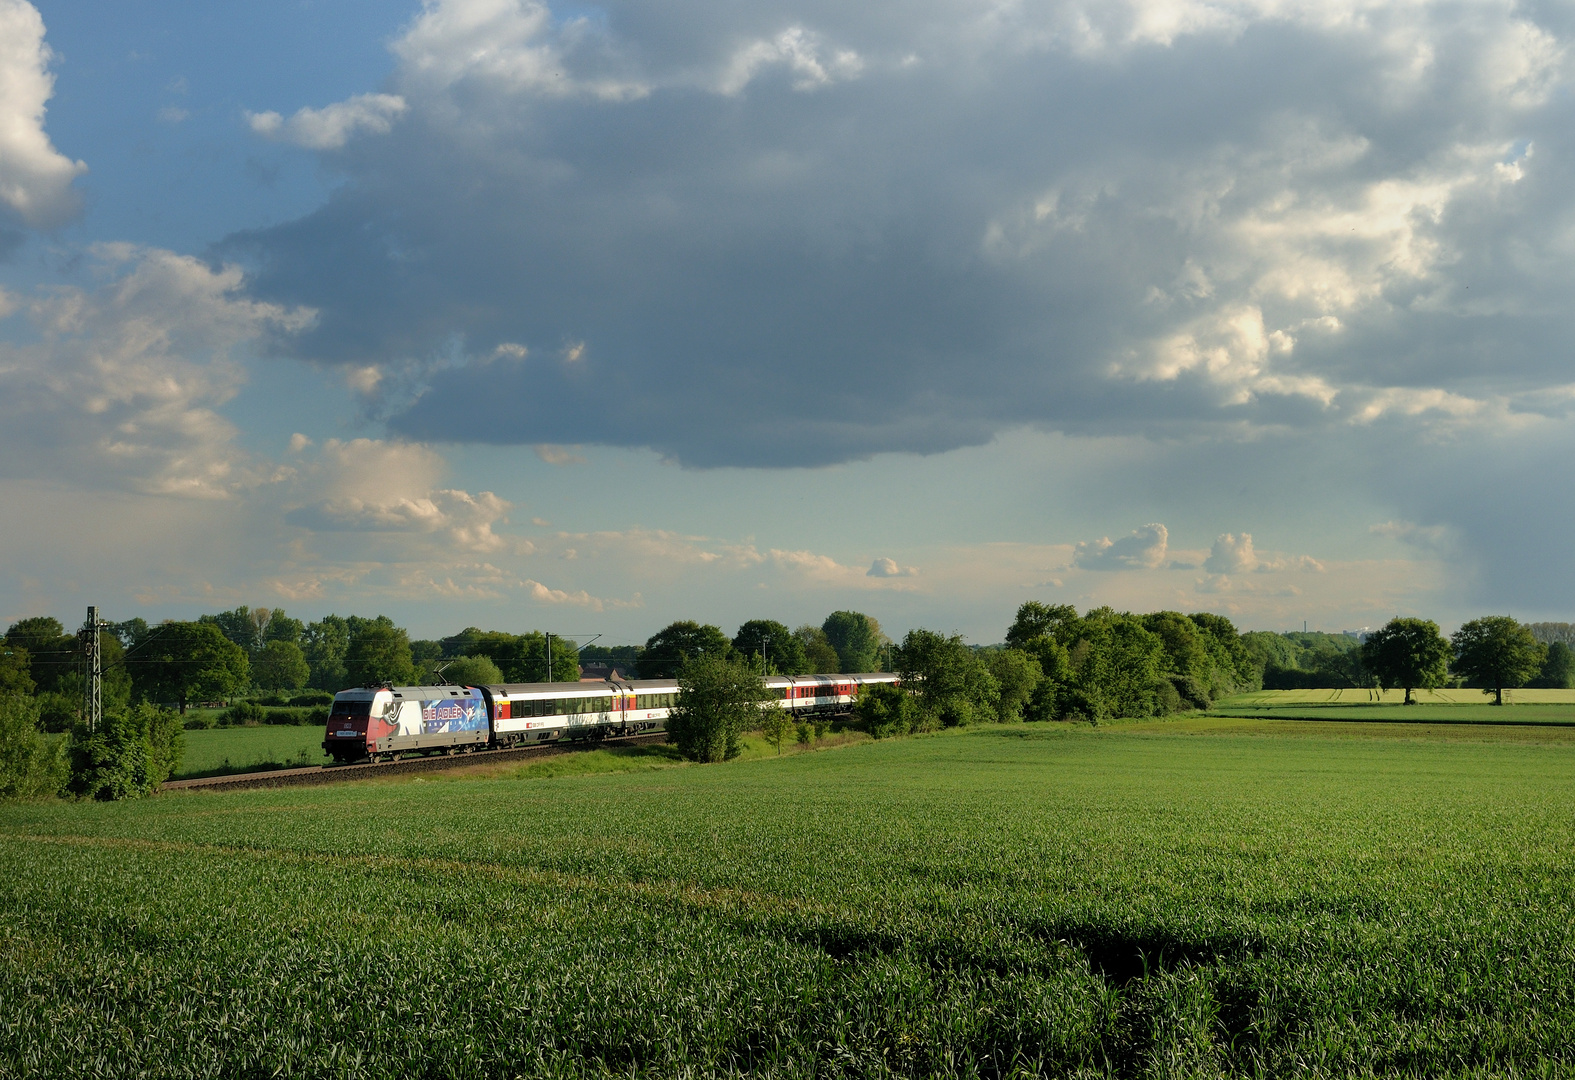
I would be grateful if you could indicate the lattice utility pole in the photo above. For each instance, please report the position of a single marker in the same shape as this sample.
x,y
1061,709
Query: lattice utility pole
x,y
93,691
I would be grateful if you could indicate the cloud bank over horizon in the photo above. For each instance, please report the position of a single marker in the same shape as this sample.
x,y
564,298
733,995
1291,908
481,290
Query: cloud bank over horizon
x,y
1147,217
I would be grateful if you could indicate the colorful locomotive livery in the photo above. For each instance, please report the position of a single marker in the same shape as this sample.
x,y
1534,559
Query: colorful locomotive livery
x,y
372,723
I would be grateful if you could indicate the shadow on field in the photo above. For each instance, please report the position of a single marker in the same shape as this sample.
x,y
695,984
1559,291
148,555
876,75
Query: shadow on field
x,y
1124,955
1172,996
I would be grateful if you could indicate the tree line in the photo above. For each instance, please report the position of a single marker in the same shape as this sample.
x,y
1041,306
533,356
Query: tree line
x,y
153,673
220,656
1056,664
1053,664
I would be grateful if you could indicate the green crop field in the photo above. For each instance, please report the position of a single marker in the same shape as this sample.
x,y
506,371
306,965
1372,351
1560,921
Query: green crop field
x,y
1200,897
240,749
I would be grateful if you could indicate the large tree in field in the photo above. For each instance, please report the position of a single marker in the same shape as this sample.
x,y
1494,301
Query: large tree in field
x,y
1409,653
184,662
668,650
718,700
1497,653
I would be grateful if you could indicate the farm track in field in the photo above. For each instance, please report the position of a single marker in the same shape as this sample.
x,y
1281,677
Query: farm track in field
x,y
330,774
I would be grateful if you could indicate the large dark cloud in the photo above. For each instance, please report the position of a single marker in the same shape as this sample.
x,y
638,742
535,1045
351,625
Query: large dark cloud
x,y
802,234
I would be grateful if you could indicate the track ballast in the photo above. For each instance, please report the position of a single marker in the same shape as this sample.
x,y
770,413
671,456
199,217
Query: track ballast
x,y
330,774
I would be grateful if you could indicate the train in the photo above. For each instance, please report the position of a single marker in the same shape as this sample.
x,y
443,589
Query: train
x,y
376,723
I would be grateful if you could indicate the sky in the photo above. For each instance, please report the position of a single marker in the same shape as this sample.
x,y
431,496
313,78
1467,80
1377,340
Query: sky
x,y
589,317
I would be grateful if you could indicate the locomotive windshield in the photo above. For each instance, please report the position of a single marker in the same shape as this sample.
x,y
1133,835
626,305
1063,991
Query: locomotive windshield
x,y
350,710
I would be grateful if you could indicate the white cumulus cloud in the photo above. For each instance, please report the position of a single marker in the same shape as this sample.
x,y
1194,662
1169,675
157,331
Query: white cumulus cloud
x,y
330,127
1141,549
1231,554
35,178
123,385
373,485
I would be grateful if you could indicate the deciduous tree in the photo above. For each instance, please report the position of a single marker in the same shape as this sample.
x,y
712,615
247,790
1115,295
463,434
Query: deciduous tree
x,y
1037,620
951,682
182,662
1188,662
884,710
857,639
1497,653
780,648
1116,667
668,650
718,700
1408,653
280,665
1236,670
239,625
325,643
52,653
1558,670
378,653
1017,674
31,767
819,657
777,725
15,674
280,627
472,671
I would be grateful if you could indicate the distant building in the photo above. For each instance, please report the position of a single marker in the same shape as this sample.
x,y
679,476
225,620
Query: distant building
x,y
602,672
1359,635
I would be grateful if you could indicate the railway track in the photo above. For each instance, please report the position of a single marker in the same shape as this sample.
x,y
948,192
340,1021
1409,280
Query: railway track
x,y
333,774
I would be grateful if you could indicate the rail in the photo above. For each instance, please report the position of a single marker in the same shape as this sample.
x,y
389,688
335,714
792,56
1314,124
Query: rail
x,y
332,774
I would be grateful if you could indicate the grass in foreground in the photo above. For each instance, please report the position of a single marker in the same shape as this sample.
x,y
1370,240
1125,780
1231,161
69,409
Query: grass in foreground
x,y
1159,900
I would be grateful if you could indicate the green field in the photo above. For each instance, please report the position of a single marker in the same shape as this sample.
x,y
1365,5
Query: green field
x,y
1429,706
1199,897
1277,698
210,751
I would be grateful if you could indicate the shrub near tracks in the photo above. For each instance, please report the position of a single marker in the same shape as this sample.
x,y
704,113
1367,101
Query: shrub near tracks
x,y
1129,902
